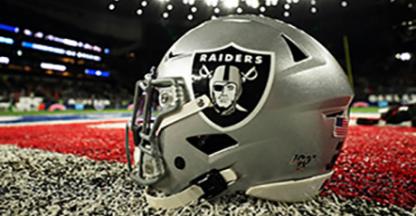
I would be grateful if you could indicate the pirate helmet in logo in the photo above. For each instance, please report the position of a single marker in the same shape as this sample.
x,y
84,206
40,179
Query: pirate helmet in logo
x,y
259,108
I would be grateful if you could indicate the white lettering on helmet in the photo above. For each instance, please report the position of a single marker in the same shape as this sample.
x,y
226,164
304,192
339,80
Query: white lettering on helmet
x,y
231,58
248,59
203,58
259,59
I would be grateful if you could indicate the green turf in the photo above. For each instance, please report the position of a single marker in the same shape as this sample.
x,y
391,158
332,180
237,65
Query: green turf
x,y
364,110
8,113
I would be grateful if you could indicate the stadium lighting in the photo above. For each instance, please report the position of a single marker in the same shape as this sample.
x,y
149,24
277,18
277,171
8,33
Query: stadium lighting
x,y
4,60
111,7
70,53
165,15
212,3
44,48
406,56
27,32
60,51
6,40
286,14
139,12
99,73
65,41
19,53
231,4
9,28
189,2
271,2
253,3
287,6
88,56
50,66
38,35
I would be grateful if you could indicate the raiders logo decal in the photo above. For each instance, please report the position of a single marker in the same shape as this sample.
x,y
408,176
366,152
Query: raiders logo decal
x,y
234,78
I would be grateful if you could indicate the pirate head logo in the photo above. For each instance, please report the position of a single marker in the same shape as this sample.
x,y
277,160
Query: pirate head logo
x,y
234,78
226,87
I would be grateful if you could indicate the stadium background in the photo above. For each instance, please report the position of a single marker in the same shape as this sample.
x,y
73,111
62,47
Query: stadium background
x,y
67,71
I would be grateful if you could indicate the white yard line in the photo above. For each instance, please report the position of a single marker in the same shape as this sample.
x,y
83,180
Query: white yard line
x,y
10,118
59,122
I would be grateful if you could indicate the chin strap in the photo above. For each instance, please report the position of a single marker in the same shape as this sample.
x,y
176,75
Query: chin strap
x,y
205,186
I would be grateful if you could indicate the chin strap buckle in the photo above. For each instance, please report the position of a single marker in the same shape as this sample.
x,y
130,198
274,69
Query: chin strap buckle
x,y
212,183
205,186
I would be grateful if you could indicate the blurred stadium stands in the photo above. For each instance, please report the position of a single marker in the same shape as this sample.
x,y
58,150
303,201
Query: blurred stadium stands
x,y
66,51
67,92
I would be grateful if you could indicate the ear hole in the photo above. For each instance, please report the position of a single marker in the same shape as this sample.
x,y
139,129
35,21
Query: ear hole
x,y
297,54
179,163
211,143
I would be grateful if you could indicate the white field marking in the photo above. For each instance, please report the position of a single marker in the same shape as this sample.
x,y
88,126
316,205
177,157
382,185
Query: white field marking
x,y
59,122
118,125
411,134
10,118
365,115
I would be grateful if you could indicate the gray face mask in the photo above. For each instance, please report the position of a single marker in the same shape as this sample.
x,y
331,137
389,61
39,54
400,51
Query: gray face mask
x,y
154,100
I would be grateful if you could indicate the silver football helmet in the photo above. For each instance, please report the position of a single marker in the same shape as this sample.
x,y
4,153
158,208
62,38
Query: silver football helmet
x,y
240,103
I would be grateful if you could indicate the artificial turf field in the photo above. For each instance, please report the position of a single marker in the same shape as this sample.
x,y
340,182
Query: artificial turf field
x,y
79,169
91,111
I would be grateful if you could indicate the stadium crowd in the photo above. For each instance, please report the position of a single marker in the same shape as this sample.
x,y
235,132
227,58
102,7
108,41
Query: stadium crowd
x,y
61,91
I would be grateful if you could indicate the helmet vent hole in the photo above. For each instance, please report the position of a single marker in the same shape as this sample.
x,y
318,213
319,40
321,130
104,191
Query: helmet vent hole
x,y
212,143
179,163
297,54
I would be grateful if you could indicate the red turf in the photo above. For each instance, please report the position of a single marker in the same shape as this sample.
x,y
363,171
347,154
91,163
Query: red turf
x,y
77,138
377,163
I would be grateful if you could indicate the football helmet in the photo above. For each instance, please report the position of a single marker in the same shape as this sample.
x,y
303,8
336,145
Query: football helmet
x,y
239,103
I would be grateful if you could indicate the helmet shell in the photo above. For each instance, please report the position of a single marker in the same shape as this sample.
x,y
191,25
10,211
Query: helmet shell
x,y
286,132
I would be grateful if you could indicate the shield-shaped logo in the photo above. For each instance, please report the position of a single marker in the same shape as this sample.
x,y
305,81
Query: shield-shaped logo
x,y
235,79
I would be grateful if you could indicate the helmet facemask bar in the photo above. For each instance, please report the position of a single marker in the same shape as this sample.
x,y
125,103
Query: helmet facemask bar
x,y
149,164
